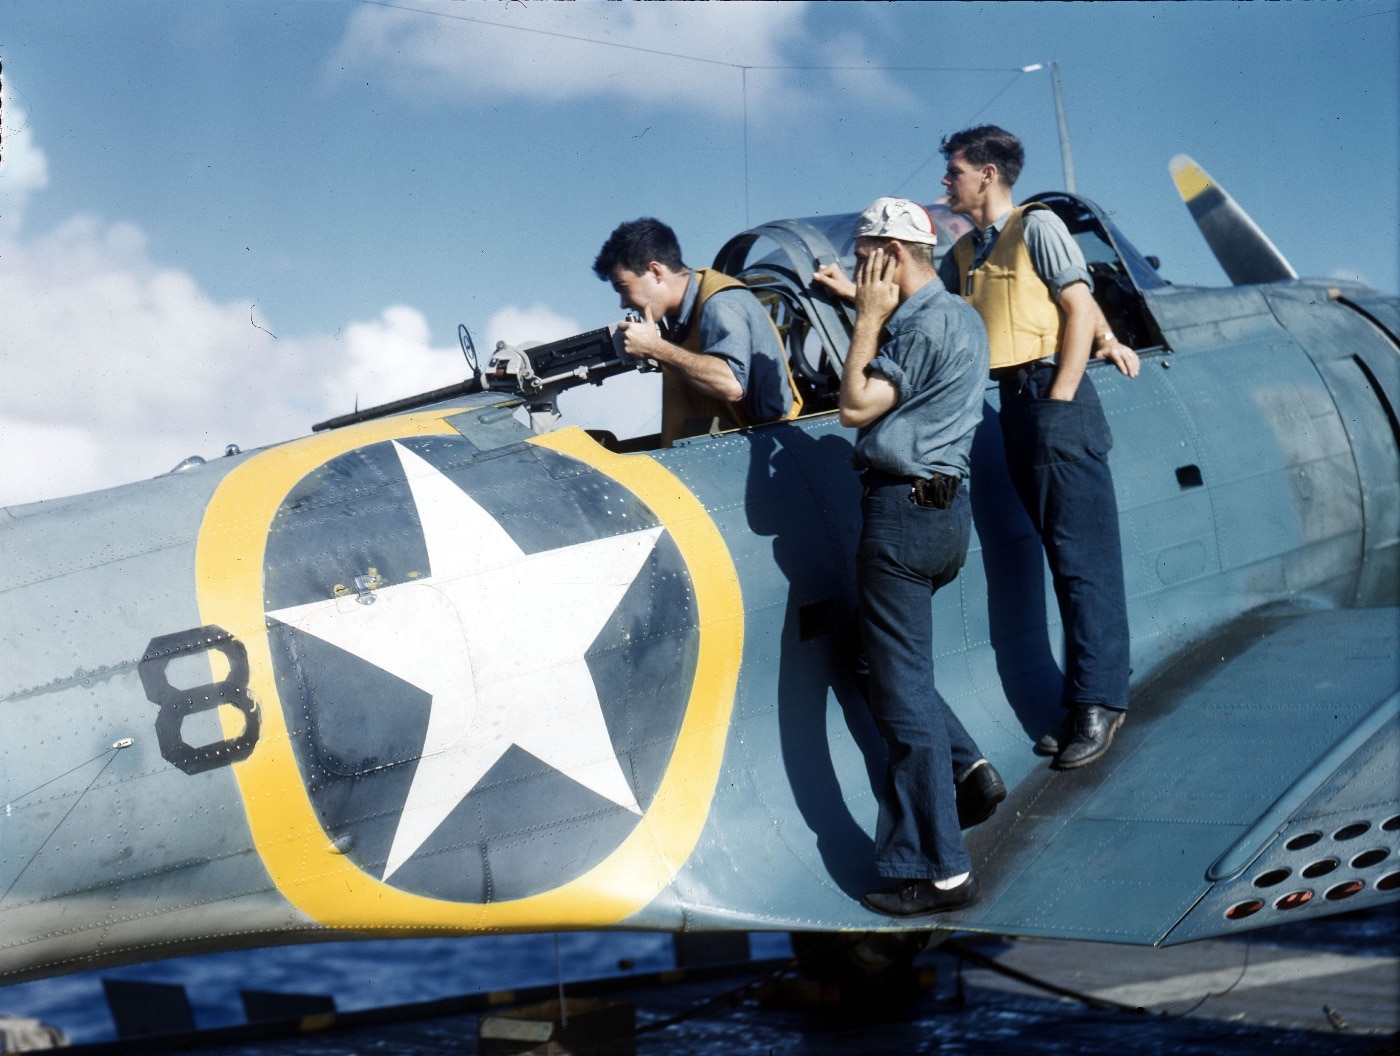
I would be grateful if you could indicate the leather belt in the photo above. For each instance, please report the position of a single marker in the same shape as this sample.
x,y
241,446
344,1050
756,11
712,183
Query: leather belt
x,y
935,492
1021,371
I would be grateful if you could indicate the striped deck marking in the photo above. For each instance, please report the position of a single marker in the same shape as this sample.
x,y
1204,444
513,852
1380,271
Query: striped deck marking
x,y
1195,985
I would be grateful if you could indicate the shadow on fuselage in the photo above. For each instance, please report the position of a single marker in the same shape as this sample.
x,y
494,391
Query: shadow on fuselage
x,y
820,642
1013,562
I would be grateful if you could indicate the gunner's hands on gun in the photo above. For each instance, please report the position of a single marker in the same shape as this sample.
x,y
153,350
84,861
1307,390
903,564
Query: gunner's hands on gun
x,y
640,339
711,375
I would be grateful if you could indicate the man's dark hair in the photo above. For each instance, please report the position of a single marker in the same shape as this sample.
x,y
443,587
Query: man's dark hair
x,y
988,145
636,244
921,252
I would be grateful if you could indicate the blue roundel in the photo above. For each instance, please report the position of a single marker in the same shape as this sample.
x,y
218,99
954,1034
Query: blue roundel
x,y
483,659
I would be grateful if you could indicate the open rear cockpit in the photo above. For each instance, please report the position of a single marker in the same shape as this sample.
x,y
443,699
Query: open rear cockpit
x,y
777,261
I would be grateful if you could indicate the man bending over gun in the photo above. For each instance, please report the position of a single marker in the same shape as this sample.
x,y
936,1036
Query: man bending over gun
x,y
721,358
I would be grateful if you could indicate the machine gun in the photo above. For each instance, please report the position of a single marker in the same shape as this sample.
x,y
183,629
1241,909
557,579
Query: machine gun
x,y
539,373
535,372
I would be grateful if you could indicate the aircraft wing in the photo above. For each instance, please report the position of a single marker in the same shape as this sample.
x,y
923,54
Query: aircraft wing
x,y
1271,751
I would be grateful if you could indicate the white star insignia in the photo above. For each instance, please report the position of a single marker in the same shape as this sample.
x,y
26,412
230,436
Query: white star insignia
x,y
497,637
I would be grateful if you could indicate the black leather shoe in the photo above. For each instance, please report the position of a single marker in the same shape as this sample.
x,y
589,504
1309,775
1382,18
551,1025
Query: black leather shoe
x,y
1057,738
1094,727
913,898
979,791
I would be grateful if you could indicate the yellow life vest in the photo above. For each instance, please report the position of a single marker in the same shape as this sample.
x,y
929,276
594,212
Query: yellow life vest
x,y
1023,323
681,403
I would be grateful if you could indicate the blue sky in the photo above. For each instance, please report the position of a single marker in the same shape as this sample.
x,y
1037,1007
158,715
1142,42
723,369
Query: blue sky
x,y
222,221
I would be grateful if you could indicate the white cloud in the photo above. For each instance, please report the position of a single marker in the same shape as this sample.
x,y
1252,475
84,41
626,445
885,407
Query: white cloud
x,y
390,358
459,50
46,459
516,326
25,169
117,367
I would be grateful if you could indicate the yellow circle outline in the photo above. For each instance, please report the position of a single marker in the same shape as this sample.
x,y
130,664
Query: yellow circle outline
x,y
229,561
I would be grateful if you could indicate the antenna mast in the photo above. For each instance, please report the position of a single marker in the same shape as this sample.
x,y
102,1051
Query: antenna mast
x,y
1065,155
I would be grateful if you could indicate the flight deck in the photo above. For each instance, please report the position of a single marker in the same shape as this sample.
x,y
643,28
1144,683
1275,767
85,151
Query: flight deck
x,y
1330,985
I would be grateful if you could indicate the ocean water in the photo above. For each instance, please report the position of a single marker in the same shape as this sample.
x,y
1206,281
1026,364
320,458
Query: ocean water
x,y
365,974
378,973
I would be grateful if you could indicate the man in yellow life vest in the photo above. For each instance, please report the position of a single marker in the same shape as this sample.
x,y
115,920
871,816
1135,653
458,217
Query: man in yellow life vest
x,y
720,354
1026,276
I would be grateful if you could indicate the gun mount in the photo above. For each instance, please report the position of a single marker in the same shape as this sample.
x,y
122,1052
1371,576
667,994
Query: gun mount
x,y
535,372
539,372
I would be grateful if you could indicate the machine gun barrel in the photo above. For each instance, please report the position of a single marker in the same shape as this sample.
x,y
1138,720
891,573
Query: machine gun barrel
x,y
408,403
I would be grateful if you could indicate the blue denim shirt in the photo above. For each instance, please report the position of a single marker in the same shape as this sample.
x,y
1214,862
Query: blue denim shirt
x,y
937,357
734,326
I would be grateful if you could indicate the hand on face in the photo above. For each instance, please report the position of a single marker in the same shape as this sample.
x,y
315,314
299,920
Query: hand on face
x,y
640,337
877,291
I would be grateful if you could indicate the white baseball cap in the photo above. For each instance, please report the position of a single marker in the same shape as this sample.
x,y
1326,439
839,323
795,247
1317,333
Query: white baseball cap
x,y
896,218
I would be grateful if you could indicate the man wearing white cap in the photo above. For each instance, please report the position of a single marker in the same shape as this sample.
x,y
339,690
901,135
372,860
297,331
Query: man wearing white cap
x,y
916,400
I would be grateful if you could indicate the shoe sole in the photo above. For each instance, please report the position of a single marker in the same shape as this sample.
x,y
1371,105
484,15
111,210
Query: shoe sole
x,y
989,807
976,897
1050,743
1107,744
987,800
979,818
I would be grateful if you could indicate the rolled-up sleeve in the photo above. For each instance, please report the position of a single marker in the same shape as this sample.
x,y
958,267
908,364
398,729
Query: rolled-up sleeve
x,y
726,331
1055,254
889,369
735,327
907,360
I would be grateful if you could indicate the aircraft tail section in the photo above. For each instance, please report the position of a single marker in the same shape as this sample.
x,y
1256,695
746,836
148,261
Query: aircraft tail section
x,y
1243,250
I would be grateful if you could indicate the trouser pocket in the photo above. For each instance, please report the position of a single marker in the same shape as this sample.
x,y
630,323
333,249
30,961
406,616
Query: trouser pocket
x,y
1062,431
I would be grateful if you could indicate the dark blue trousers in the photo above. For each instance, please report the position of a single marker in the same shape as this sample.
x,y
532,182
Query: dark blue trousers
x,y
906,553
1057,452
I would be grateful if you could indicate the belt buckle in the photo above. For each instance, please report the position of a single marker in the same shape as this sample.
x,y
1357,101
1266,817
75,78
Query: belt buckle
x,y
1023,375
